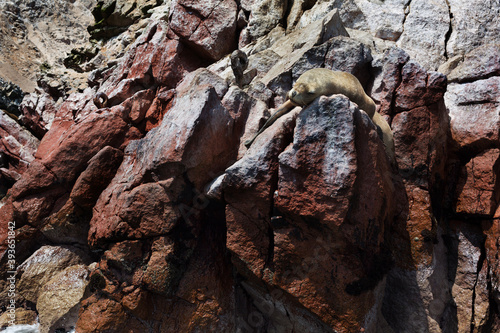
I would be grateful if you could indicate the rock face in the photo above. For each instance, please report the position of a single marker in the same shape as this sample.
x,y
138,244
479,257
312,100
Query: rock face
x,y
38,32
138,208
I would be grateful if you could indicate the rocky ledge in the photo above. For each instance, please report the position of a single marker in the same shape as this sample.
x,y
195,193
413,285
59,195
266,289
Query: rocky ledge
x,y
137,207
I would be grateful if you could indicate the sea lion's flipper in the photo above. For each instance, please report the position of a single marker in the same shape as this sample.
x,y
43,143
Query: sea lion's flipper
x,y
284,108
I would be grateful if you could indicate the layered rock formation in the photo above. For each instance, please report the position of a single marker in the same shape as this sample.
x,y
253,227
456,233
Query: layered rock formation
x,y
138,209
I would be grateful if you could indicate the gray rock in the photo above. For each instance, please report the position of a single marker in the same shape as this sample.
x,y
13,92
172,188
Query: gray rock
x,y
339,54
474,110
293,46
384,19
264,16
474,23
424,34
480,63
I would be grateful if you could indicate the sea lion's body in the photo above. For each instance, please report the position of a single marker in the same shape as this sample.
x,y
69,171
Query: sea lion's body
x,y
321,81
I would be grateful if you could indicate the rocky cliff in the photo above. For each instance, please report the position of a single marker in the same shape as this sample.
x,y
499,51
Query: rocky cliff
x,y
134,205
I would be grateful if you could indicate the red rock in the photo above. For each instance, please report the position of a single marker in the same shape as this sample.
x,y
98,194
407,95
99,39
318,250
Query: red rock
x,y
48,179
155,58
386,83
137,302
492,231
82,141
99,172
248,192
321,198
294,250
345,194
418,87
101,315
419,226
193,138
138,105
204,24
69,225
420,139
171,62
477,190
160,105
17,149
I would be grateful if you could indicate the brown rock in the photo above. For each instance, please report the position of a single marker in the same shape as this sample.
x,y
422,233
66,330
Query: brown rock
x,y
418,87
162,275
17,148
68,226
112,316
59,300
99,172
42,266
125,257
22,317
204,24
477,191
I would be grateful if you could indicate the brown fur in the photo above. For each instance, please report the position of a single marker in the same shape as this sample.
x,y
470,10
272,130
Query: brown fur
x,y
321,81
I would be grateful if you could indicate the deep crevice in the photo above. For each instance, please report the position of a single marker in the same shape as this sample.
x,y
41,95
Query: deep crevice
x,y
405,9
448,33
480,263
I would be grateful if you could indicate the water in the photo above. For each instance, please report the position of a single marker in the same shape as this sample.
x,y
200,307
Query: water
x,y
24,329
21,329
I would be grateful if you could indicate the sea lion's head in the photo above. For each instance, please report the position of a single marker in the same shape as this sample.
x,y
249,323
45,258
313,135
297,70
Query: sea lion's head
x,y
302,94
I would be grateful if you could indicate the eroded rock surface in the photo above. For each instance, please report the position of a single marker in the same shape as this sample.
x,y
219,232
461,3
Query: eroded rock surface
x,y
134,160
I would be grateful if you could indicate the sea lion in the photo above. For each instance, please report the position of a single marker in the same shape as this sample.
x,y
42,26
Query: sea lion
x,y
321,81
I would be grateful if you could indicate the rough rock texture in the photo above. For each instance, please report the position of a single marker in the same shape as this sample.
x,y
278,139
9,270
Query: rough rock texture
x,y
59,300
474,24
311,229
39,32
425,32
42,266
17,150
204,24
23,317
